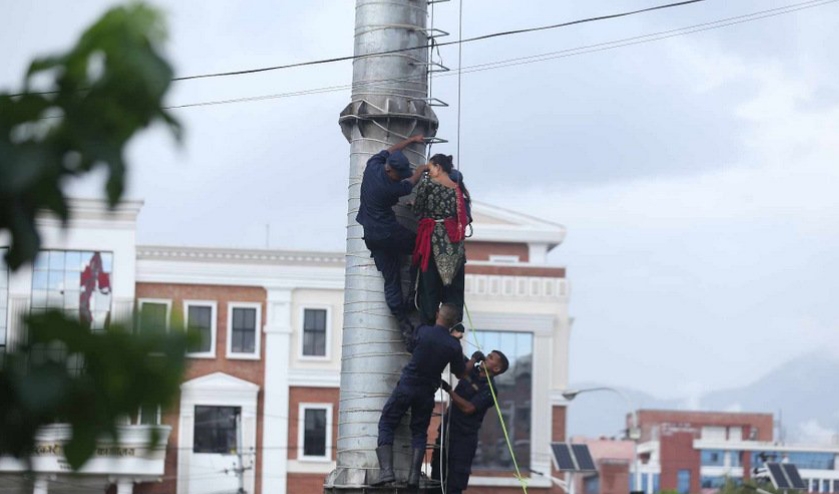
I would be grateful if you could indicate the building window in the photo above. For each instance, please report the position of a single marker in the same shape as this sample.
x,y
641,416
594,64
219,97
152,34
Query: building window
x,y
201,318
514,389
591,485
315,437
811,460
712,457
504,258
215,429
154,315
148,415
720,483
683,481
802,459
4,302
244,324
713,433
79,283
314,332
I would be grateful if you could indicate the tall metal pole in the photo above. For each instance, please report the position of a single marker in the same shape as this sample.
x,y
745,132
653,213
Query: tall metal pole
x,y
389,103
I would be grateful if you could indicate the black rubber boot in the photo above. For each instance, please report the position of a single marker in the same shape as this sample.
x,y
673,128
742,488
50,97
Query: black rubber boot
x,y
385,455
416,465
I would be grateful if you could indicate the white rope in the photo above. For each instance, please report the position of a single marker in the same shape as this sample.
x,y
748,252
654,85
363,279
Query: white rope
x,y
459,76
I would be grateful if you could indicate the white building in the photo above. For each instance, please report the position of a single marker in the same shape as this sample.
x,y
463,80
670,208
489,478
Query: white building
x,y
270,357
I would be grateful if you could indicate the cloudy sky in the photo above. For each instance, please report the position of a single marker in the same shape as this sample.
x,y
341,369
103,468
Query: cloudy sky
x,y
697,175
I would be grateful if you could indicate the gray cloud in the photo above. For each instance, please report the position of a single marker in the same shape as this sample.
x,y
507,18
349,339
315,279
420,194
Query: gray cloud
x,y
696,175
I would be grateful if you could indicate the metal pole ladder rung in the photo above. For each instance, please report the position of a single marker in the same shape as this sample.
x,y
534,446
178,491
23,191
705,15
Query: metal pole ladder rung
x,y
433,66
431,101
433,33
435,140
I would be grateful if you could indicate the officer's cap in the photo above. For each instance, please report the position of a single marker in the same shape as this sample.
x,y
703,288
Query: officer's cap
x,y
399,162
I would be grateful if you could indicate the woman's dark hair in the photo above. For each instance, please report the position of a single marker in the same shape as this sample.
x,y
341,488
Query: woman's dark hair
x,y
446,163
443,161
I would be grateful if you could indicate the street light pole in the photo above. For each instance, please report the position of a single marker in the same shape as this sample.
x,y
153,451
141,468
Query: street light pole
x,y
634,433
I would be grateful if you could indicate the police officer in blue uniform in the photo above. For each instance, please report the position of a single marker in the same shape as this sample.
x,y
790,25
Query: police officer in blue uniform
x,y
435,347
470,401
387,177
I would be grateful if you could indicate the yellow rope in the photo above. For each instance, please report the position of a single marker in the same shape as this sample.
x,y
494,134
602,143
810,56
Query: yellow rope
x,y
519,477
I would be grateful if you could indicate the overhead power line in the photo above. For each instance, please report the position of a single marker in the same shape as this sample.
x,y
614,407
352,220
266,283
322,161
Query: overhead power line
x,y
569,52
400,50
433,45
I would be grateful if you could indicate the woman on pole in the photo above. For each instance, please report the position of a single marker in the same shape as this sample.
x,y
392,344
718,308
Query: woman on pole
x,y
442,207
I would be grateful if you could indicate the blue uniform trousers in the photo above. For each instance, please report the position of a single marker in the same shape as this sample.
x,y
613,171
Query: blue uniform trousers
x,y
457,460
387,254
420,400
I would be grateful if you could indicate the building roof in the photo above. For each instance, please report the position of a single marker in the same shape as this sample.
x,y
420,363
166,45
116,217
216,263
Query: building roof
x,y
495,224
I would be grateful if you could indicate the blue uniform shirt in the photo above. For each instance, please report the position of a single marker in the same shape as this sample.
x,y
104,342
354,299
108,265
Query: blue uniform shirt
x,y
474,389
434,348
378,196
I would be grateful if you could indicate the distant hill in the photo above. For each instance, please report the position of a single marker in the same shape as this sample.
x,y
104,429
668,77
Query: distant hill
x,y
801,393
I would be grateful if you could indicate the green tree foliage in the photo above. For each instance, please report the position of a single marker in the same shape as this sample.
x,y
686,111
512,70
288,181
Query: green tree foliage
x,y
104,90
89,380
94,99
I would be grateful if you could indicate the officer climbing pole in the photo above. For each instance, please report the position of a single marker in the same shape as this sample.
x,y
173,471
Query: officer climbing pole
x,y
389,103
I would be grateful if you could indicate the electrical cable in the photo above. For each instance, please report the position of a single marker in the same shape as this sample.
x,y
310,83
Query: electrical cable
x,y
443,439
518,475
569,52
432,44
428,73
459,76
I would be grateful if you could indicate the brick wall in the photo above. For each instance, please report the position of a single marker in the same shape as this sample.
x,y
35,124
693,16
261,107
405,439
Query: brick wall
x,y
677,453
298,395
677,430
515,270
761,423
248,370
558,423
559,416
305,483
614,478
480,251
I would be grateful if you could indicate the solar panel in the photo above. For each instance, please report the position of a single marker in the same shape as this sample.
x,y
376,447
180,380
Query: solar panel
x,y
795,479
583,456
572,457
563,461
776,474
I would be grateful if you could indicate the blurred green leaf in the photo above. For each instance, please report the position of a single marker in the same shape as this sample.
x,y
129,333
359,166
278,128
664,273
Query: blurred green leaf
x,y
89,380
100,94
104,90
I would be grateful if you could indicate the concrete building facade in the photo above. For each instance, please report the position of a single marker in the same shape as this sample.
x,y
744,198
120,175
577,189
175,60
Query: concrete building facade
x,y
264,379
700,451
